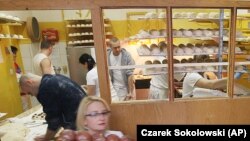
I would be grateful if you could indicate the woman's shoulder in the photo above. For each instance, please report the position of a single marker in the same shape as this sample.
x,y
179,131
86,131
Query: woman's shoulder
x,y
193,74
93,71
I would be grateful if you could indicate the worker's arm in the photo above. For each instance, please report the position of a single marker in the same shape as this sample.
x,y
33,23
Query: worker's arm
x,y
212,84
46,66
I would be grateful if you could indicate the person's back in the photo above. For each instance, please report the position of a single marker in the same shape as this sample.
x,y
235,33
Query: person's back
x,y
195,80
158,87
41,61
60,98
36,63
92,79
189,84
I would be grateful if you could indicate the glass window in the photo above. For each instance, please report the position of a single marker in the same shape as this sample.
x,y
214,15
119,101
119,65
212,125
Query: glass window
x,y
200,44
137,53
242,54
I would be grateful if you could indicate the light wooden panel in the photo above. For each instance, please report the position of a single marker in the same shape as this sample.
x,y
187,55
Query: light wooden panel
x,y
45,4
100,50
78,4
125,116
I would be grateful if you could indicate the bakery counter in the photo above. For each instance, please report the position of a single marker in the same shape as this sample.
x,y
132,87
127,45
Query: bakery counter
x,y
25,126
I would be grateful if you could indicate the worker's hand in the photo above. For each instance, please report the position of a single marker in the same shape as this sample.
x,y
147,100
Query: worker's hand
x,y
131,79
128,97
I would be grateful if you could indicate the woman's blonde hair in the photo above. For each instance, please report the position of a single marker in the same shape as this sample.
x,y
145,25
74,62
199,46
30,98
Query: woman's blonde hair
x,y
83,108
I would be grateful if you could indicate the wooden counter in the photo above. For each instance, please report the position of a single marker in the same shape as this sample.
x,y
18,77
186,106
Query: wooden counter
x,y
23,126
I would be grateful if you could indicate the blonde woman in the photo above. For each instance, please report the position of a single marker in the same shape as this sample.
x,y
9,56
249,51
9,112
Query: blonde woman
x,y
93,116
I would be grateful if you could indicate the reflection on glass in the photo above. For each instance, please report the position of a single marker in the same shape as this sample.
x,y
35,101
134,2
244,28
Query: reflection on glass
x,y
199,50
242,55
141,34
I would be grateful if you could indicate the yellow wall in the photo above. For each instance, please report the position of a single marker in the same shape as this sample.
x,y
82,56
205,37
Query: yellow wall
x,y
10,100
60,26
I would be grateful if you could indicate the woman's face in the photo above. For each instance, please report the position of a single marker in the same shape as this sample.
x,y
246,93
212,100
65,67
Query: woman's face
x,y
97,117
85,66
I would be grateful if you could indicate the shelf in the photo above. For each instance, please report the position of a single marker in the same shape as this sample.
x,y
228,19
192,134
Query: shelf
x,y
11,24
246,44
245,39
108,33
238,53
107,25
147,38
207,20
160,55
80,27
80,43
158,18
186,71
14,38
82,19
192,54
216,21
178,65
199,38
78,19
80,46
211,64
245,30
10,20
80,34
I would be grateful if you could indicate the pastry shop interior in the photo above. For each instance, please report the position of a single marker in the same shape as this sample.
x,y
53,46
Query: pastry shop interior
x,y
172,47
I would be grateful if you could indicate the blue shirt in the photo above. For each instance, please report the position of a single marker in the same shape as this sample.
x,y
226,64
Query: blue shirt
x,y
60,98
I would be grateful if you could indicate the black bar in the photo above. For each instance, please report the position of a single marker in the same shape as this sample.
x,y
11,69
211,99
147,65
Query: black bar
x,y
221,132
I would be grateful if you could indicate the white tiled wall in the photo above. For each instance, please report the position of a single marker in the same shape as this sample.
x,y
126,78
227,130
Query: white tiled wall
x,y
59,57
27,53
27,56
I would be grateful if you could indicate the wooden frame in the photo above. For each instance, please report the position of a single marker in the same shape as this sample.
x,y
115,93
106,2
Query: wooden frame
x,y
126,115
